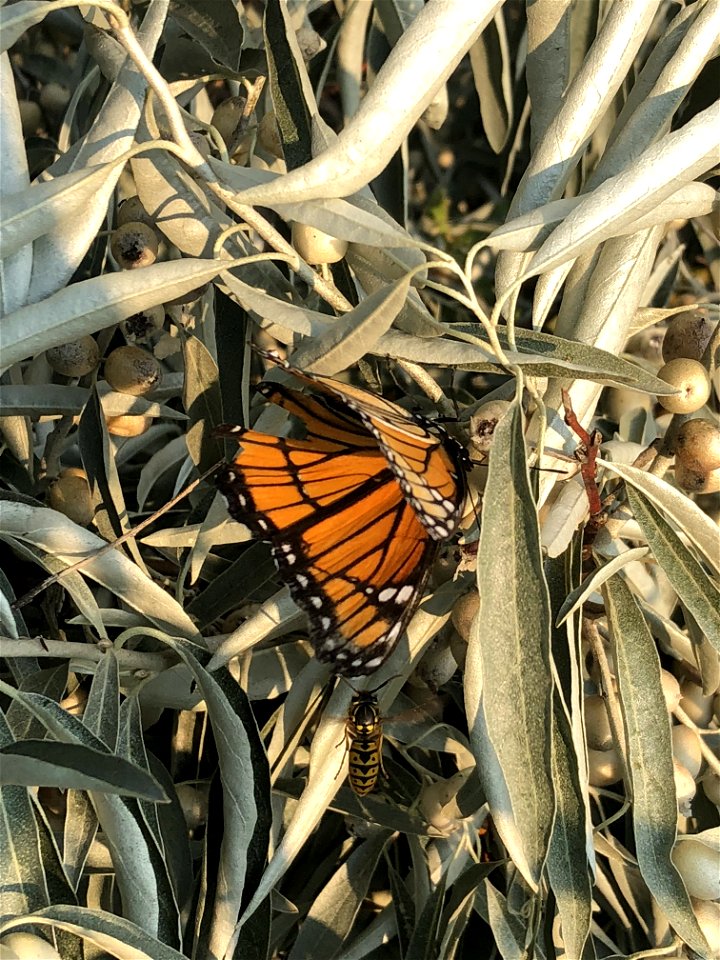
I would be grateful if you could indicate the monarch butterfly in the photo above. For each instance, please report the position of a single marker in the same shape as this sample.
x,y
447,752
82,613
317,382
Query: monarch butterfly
x,y
364,735
355,510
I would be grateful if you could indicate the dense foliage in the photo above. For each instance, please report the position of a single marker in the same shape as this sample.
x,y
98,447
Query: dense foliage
x,y
502,215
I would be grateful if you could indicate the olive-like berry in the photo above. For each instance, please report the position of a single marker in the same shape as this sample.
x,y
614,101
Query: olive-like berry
x,y
685,787
30,117
464,612
19,944
686,748
598,732
698,444
127,425
707,914
134,245
141,326
698,864
696,481
268,135
132,370
70,494
604,767
483,423
54,99
132,211
315,246
227,117
687,335
691,379
74,358
711,786
671,690
696,704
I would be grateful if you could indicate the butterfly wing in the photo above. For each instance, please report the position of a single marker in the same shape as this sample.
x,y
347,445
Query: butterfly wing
x,y
347,542
428,464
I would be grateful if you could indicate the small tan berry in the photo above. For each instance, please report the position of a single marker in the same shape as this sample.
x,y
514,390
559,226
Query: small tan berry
x,y
698,864
686,748
132,370
698,444
483,423
685,787
132,211
464,613
711,786
707,914
71,495
604,767
647,344
315,246
134,245
31,117
141,326
597,723
21,945
687,335
671,690
227,118
438,663
691,379
74,358
696,481
269,136
128,426
696,704
73,472
54,99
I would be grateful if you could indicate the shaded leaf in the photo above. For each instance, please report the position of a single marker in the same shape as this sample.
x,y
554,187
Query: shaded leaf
x,y
46,763
333,913
696,590
649,758
507,680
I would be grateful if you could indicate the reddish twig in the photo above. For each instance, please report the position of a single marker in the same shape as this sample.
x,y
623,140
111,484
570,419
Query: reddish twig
x,y
586,454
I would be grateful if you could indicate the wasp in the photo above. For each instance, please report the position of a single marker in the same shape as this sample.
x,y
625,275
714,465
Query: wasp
x,y
364,737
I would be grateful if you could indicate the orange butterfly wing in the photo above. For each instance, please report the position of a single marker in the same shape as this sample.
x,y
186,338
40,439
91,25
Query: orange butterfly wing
x,y
347,538
428,464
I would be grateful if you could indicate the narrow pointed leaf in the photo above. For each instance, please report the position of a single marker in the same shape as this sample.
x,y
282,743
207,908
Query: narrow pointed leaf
x,y
696,590
333,913
649,759
507,682
46,763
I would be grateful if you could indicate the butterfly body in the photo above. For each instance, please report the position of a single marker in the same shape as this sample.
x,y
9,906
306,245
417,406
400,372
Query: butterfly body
x,y
355,511
364,734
